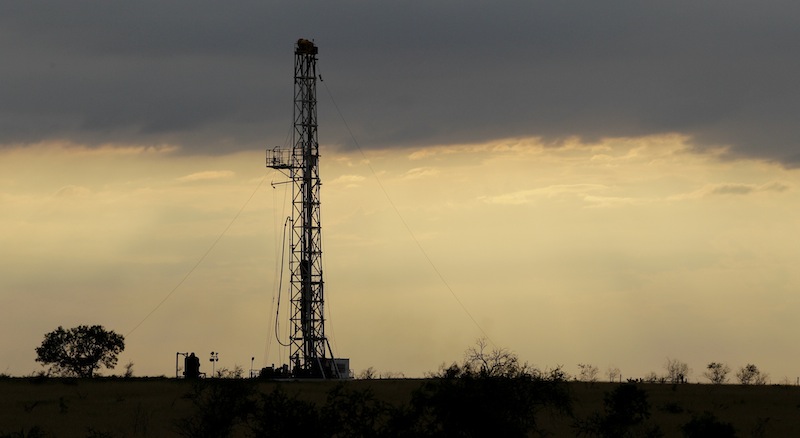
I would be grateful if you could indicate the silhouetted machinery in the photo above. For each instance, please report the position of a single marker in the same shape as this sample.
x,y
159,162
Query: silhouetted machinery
x,y
310,353
191,366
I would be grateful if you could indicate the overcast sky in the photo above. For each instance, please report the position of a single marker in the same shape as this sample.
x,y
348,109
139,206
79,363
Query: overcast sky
x,y
619,176
211,76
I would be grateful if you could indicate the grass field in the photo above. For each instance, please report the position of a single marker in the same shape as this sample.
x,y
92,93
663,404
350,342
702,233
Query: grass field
x,y
154,407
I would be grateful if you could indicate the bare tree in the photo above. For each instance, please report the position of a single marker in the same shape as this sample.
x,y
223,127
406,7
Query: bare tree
x,y
613,374
497,362
224,373
717,372
371,373
128,370
751,375
367,374
677,371
762,378
587,372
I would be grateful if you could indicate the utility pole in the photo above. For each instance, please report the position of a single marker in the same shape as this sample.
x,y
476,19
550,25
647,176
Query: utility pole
x,y
214,359
310,352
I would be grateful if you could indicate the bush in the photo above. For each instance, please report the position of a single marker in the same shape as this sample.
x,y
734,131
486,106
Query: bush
x,y
219,406
278,415
625,412
717,372
751,375
465,402
354,413
707,425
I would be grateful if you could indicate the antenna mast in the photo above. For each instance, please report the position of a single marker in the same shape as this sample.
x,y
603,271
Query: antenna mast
x,y
310,354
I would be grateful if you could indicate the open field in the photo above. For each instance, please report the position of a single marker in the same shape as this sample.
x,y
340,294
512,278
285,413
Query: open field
x,y
154,407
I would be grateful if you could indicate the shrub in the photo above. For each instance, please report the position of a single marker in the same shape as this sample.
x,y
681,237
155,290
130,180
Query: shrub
x,y
751,375
219,406
707,425
626,410
354,413
465,402
279,415
717,372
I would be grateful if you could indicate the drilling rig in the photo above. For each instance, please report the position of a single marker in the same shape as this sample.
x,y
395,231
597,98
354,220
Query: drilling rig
x,y
310,352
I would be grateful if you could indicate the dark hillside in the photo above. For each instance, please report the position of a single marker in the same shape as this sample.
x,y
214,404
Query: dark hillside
x,y
160,407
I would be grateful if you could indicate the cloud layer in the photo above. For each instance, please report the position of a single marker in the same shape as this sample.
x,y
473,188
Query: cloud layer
x,y
213,78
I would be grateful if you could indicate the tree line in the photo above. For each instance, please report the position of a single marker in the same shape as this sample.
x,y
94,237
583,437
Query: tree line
x,y
489,393
677,371
81,351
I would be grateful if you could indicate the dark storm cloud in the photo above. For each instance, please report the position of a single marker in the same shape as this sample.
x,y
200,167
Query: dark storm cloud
x,y
216,76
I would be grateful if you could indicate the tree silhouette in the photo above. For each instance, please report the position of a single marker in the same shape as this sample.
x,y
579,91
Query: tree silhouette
x,y
677,371
717,372
80,350
498,362
751,375
613,373
587,372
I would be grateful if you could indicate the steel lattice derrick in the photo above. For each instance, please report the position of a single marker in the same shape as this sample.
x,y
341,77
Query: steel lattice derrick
x,y
309,346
